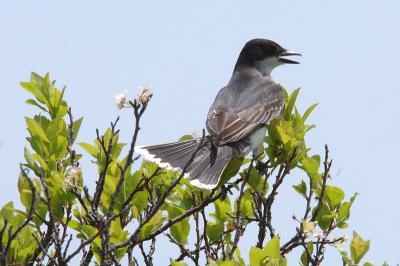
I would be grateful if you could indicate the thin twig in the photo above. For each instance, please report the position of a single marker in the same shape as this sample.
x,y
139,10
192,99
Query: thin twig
x,y
238,222
81,246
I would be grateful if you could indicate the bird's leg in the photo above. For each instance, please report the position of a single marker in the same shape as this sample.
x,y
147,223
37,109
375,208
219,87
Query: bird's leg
x,y
257,154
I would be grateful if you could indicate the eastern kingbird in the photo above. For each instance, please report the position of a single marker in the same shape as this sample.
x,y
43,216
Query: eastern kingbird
x,y
236,120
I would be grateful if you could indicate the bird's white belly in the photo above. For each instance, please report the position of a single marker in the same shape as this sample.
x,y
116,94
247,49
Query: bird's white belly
x,y
256,139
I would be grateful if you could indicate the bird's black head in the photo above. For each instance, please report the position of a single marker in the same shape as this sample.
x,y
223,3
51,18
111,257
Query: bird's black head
x,y
265,55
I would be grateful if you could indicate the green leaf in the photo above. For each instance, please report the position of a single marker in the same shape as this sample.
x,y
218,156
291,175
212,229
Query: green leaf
x,y
290,104
368,264
34,103
178,263
308,111
272,249
334,195
152,225
256,256
89,148
41,211
304,257
342,225
231,170
222,209
283,262
179,231
76,127
35,90
36,130
88,231
301,188
269,256
358,247
311,165
228,263
283,136
148,167
57,202
29,158
25,191
187,137
37,78
116,232
140,200
116,149
60,147
325,217
74,225
344,210
345,256
255,180
214,231
246,210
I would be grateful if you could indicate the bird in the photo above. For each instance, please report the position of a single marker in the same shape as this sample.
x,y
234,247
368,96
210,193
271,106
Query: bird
x,y
236,121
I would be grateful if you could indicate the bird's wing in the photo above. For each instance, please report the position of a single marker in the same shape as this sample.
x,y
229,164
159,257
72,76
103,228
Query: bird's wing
x,y
231,123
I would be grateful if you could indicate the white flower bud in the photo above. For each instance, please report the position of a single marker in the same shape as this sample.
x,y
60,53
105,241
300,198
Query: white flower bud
x,y
121,100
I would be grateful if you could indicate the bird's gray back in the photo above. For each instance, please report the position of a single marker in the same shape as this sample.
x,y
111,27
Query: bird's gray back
x,y
248,101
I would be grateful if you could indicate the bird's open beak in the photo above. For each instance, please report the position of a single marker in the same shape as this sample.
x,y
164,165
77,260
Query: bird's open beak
x,y
286,60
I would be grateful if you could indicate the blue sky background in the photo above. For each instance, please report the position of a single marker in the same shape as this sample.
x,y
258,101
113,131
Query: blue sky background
x,y
186,51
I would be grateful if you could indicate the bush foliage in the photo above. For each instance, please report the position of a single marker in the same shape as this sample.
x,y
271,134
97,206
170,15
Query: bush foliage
x,y
130,209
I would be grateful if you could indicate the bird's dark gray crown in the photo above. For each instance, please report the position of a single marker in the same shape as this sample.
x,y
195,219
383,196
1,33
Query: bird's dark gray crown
x,y
256,50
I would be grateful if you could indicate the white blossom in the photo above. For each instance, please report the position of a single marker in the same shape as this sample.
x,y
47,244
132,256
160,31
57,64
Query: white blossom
x,y
121,100
144,94
309,227
72,179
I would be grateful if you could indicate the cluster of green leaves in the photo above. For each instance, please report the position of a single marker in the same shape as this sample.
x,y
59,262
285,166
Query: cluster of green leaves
x,y
270,255
286,139
23,245
48,139
134,193
358,248
286,136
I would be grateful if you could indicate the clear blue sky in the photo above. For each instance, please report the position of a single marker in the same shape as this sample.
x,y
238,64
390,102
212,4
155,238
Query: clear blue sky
x,y
186,50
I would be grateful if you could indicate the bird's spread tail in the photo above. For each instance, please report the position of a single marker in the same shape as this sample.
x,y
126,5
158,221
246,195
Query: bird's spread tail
x,y
205,169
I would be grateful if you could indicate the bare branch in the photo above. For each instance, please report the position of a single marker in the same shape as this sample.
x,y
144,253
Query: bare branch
x,y
327,166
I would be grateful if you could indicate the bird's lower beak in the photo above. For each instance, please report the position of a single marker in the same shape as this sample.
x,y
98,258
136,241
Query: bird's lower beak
x,y
286,60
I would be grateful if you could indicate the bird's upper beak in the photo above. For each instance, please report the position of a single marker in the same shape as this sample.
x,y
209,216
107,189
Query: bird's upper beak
x,y
288,53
